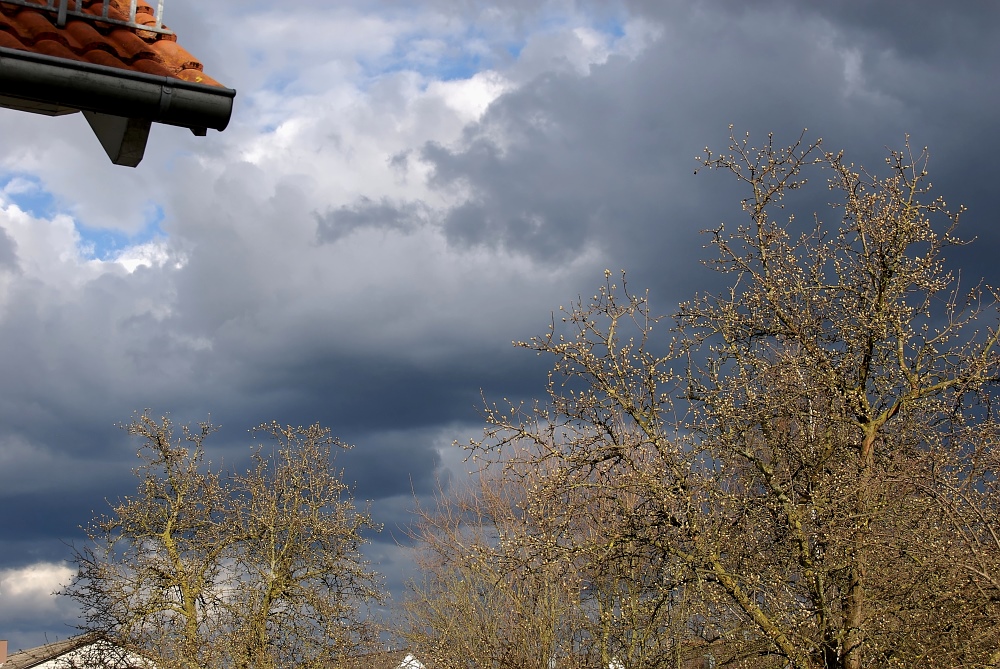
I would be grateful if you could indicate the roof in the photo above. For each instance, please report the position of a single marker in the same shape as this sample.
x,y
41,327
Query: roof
x,y
387,659
98,42
114,61
76,651
35,656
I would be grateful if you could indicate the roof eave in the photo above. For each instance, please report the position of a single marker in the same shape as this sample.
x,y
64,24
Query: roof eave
x,y
58,85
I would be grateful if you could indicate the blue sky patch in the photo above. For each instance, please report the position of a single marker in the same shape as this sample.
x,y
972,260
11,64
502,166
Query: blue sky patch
x,y
105,244
434,58
613,26
463,56
514,49
28,193
463,67
280,80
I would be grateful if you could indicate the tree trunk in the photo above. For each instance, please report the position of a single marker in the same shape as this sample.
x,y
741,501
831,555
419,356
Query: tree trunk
x,y
854,613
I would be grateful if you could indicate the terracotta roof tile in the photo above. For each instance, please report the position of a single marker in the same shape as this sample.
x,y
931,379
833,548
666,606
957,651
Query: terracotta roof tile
x,y
8,41
85,34
54,47
95,41
150,66
102,57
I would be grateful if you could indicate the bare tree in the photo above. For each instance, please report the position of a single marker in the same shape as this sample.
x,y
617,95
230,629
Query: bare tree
x,y
482,600
300,576
806,457
149,572
203,570
529,569
846,375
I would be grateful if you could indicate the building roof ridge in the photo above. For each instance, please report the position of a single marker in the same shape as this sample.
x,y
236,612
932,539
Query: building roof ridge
x,y
31,657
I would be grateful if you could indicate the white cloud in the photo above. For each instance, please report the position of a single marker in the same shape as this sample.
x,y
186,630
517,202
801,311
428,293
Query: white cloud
x,y
51,251
48,249
150,254
28,591
19,186
469,98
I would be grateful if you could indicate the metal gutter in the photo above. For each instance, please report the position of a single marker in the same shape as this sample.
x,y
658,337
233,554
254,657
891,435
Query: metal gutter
x,y
85,86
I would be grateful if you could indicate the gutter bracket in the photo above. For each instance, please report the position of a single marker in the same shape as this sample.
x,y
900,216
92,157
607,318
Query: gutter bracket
x,y
123,139
166,97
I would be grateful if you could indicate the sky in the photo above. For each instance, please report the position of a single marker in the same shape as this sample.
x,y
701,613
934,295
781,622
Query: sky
x,y
406,188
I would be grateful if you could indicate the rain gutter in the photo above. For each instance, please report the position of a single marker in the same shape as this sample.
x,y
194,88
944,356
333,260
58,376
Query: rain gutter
x,y
119,104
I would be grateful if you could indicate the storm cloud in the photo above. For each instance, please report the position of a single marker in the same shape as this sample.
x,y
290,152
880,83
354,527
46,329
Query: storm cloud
x,y
405,189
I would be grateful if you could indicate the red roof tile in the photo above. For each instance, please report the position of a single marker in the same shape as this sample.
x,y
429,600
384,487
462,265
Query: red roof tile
x,y
94,41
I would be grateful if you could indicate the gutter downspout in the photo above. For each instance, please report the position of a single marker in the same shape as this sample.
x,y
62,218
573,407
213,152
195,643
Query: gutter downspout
x,y
120,105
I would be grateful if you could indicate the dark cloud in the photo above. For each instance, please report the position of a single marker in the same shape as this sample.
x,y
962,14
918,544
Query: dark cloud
x,y
366,213
606,159
385,314
31,517
924,31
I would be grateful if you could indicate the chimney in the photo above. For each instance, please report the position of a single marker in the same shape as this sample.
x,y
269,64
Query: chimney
x,y
3,652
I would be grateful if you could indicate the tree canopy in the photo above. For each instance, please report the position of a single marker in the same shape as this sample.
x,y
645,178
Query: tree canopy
x,y
255,569
797,470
